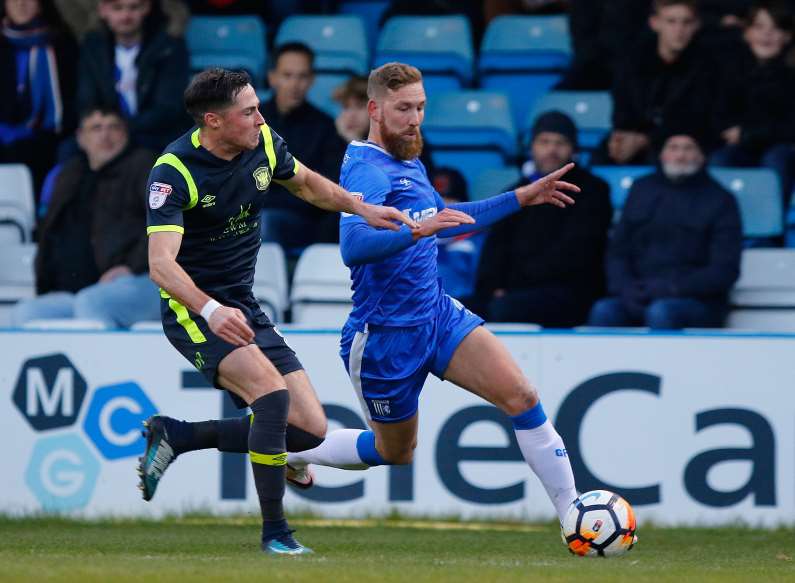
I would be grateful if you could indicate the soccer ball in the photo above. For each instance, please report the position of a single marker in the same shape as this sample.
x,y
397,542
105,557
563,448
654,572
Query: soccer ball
x,y
599,524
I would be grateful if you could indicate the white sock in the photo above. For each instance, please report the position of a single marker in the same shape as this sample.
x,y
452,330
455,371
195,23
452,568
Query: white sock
x,y
338,450
545,453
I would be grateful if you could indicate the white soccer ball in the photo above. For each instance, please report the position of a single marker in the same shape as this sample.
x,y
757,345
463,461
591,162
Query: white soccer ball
x,y
599,524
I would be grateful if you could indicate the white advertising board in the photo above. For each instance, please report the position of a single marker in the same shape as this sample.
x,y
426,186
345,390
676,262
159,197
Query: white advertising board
x,y
691,429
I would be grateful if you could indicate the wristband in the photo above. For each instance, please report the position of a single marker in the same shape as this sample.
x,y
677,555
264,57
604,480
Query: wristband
x,y
209,308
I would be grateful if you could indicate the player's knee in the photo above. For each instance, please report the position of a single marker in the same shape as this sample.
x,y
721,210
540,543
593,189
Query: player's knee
x,y
520,398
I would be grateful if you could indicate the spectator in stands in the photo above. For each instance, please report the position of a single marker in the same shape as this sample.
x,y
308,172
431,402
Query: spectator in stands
x,y
602,32
544,265
131,62
37,59
91,260
313,140
665,83
675,253
458,256
757,117
353,122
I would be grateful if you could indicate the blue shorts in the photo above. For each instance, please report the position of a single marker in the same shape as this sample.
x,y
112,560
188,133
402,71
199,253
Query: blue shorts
x,y
388,365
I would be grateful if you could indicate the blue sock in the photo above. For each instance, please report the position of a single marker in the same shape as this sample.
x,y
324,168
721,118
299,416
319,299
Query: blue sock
x,y
365,447
530,419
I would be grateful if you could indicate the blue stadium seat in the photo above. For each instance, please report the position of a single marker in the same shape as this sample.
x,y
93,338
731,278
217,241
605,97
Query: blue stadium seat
x,y
339,42
470,131
525,57
590,110
370,11
758,193
322,89
233,42
440,46
494,181
620,179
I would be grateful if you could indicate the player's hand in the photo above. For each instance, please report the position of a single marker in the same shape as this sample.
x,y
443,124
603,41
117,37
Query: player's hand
x,y
230,324
446,219
384,217
548,190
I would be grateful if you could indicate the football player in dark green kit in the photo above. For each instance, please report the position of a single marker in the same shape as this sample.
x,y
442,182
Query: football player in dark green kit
x,y
205,194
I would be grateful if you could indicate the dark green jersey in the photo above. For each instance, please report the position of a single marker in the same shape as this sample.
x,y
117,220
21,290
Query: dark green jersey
x,y
216,206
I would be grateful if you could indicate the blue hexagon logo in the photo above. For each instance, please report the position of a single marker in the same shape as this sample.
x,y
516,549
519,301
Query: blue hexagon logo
x,y
49,392
114,417
62,473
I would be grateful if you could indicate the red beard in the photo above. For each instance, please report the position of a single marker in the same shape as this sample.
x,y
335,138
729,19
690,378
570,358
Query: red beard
x,y
397,145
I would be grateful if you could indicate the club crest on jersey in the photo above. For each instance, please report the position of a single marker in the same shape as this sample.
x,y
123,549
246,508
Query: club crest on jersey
x,y
262,177
158,193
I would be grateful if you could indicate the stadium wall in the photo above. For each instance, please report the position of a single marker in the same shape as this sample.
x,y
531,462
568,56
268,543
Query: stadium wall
x,y
692,429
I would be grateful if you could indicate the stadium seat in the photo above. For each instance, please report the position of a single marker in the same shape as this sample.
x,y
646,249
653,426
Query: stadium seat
x,y
620,180
590,110
440,46
16,199
65,325
270,281
16,277
339,42
763,299
525,57
147,326
320,94
758,194
321,293
494,181
233,42
470,131
370,11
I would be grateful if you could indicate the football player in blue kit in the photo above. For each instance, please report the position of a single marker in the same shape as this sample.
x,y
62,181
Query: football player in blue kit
x,y
403,325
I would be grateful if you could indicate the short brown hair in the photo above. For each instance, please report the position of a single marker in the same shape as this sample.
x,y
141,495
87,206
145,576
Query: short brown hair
x,y
692,4
354,88
212,90
391,76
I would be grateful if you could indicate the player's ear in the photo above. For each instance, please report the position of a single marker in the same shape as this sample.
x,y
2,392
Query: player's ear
x,y
212,120
373,109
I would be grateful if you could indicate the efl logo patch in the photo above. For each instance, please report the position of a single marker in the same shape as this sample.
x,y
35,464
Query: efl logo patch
x,y
158,193
262,177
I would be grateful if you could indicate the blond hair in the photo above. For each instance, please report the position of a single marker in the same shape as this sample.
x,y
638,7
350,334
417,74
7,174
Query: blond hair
x,y
391,76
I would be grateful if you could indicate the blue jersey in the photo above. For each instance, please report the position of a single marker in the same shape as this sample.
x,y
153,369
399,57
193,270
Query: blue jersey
x,y
402,289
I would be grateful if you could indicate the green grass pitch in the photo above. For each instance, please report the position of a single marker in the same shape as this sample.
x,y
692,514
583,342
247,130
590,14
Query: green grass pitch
x,y
226,549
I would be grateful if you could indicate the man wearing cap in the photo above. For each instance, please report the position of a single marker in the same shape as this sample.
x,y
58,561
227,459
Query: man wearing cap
x,y
545,266
675,253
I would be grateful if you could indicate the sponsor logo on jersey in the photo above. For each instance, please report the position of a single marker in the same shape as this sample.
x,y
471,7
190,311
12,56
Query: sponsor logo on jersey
x,y
208,200
422,215
262,177
158,193
405,183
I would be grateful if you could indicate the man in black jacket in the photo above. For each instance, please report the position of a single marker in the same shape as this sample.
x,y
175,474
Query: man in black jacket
x,y
313,140
91,260
131,62
665,83
545,265
675,253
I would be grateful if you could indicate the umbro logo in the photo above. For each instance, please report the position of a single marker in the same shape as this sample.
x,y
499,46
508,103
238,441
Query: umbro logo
x,y
208,200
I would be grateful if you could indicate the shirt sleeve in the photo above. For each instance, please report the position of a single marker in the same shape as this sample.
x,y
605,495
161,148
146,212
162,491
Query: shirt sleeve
x,y
286,165
359,242
167,196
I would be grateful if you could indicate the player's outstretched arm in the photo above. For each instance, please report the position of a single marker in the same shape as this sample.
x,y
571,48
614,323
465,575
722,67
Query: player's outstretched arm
x,y
361,244
228,323
323,193
487,212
